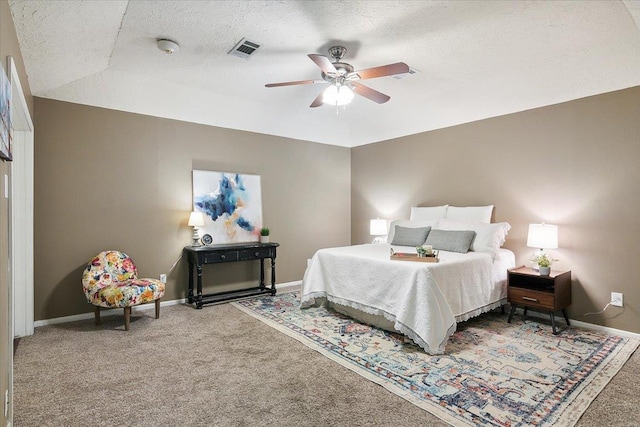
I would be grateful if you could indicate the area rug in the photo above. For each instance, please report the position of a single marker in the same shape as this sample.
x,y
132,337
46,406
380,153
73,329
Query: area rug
x,y
492,374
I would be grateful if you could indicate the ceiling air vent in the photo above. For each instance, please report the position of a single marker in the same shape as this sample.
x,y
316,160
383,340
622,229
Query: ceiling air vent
x,y
244,49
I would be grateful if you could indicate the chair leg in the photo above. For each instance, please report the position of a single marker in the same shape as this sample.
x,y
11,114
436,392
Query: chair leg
x,y
158,308
127,318
97,311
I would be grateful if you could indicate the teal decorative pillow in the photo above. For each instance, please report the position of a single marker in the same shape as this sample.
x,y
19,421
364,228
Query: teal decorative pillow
x,y
405,236
451,240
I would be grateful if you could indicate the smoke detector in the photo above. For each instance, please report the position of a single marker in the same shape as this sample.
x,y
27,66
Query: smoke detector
x,y
168,46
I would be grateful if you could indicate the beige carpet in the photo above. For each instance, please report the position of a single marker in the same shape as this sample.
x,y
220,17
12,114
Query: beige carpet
x,y
219,366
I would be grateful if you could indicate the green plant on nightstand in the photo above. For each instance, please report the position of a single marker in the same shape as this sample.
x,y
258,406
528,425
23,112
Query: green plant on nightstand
x,y
543,261
264,235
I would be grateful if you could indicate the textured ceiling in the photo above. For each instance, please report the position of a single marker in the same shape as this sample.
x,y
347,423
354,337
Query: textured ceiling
x,y
476,59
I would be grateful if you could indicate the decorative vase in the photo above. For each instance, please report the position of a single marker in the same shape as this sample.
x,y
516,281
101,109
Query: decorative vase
x,y
544,271
264,239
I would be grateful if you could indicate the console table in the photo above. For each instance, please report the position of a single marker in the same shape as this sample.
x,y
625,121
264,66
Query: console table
x,y
198,256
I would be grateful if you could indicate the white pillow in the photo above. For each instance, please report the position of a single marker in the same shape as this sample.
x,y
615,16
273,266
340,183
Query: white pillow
x,y
408,224
489,237
470,214
433,213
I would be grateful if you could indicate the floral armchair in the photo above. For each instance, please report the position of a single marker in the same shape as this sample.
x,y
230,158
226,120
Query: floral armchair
x,y
111,281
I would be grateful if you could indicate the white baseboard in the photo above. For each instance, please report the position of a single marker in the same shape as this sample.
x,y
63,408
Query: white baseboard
x,y
116,312
289,286
106,312
560,323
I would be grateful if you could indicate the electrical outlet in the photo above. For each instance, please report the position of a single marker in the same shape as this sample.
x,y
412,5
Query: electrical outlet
x,y
6,403
616,299
163,278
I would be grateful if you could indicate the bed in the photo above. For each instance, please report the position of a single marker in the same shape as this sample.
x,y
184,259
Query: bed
x,y
423,301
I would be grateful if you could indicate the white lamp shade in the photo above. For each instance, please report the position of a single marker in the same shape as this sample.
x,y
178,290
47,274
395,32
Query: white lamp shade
x,y
378,227
196,219
543,236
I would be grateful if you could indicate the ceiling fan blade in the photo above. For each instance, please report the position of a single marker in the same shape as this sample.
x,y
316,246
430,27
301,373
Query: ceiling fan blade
x,y
323,62
299,82
369,93
318,101
383,70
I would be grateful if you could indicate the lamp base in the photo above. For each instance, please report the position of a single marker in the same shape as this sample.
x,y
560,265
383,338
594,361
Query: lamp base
x,y
379,239
196,237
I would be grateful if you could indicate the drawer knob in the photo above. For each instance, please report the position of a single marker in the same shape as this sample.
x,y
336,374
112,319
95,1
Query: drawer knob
x,y
257,254
223,257
530,299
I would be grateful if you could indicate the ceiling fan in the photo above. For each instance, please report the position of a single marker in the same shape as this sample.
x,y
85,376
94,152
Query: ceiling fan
x,y
343,79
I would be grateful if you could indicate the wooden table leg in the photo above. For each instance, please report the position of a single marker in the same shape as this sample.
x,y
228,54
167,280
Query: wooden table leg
x,y
199,281
564,312
553,323
190,283
513,310
127,318
273,276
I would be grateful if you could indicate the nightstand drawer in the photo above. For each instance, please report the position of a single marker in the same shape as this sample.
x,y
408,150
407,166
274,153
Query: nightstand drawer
x,y
531,298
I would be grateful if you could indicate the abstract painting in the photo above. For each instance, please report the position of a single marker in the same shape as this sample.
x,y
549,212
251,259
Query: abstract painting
x,y
5,116
231,204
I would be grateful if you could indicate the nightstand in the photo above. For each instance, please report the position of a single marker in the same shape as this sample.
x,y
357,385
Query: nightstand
x,y
527,288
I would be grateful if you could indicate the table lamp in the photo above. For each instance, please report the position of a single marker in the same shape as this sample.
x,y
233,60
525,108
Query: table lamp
x,y
196,220
378,227
542,236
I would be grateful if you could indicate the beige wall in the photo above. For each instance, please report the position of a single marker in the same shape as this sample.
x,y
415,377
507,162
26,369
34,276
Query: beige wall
x,y
8,47
112,180
573,164
107,179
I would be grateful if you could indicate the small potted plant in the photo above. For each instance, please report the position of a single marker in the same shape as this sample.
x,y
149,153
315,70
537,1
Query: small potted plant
x,y
264,235
543,262
424,251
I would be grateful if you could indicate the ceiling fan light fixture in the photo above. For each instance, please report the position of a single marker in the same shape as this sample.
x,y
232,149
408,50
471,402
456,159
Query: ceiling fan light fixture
x,y
337,95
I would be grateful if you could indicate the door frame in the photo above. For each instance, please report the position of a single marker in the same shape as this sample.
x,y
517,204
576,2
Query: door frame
x,y
21,210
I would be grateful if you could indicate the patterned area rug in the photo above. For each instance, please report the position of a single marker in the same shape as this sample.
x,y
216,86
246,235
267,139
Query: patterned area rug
x,y
493,373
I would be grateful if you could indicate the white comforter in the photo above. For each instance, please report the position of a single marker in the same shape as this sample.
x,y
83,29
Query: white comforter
x,y
421,300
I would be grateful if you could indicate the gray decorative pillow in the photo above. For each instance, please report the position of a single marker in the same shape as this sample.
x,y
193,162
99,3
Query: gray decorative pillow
x,y
451,240
405,236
